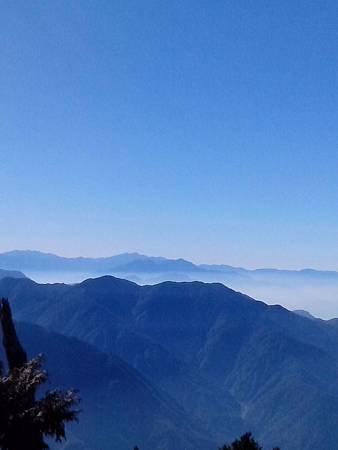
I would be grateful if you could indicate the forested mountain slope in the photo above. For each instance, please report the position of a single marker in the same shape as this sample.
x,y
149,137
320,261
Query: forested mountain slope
x,y
119,408
228,360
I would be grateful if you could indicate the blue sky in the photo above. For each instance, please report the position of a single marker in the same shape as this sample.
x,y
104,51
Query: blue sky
x,y
197,129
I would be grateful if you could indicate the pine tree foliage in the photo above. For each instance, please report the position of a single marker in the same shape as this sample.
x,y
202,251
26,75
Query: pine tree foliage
x,y
245,442
25,419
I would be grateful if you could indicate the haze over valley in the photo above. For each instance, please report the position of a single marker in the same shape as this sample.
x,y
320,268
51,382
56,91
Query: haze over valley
x,y
312,290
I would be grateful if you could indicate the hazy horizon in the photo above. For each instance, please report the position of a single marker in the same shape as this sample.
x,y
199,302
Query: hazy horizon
x,y
196,262
314,292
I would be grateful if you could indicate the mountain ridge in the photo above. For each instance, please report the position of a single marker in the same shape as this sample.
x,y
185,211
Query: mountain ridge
x,y
306,289
5,273
126,261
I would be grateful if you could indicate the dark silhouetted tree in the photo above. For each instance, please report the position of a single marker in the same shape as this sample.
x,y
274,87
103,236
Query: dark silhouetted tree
x,y
245,442
25,419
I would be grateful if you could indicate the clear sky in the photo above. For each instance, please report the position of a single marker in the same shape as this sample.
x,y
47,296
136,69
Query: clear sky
x,y
199,129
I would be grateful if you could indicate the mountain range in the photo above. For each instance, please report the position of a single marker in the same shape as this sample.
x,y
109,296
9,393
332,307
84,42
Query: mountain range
x,y
218,362
308,289
134,262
